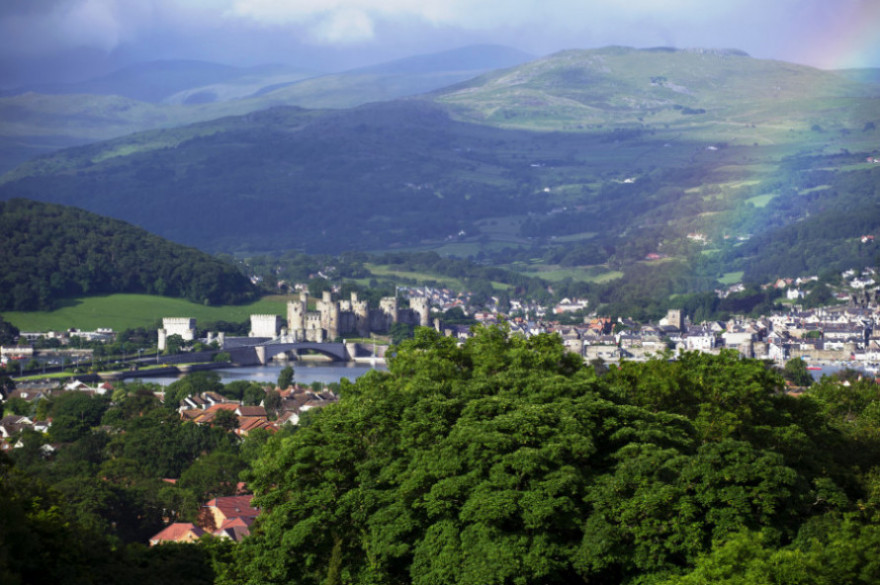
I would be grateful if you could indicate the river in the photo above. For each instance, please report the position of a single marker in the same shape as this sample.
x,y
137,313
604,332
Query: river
x,y
303,373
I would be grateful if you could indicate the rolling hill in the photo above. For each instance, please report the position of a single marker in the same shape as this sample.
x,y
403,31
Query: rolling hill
x,y
52,252
614,155
165,94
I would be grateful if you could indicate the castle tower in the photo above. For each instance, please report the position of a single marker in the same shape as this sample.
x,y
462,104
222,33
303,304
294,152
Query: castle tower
x,y
362,315
329,315
183,326
296,317
388,305
162,342
675,318
314,331
419,306
264,326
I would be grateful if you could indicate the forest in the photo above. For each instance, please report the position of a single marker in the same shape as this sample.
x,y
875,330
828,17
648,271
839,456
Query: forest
x,y
52,252
500,460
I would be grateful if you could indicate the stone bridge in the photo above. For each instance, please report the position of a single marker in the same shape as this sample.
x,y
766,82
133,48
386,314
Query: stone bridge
x,y
266,351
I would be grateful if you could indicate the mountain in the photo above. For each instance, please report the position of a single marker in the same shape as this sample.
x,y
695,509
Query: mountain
x,y
164,94
149,82
661,88
395,79
53,252
866,75
605,156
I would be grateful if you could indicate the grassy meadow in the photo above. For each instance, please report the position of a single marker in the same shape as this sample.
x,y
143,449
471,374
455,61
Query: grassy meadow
x,y
126,311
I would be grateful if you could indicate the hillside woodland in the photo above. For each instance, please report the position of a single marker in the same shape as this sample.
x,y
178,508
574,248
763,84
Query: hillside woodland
x,y
52,252
502,460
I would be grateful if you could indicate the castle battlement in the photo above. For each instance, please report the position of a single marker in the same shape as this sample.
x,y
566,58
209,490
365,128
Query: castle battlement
x,y
185,327
265,325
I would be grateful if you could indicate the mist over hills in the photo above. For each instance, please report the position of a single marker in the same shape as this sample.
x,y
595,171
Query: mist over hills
x,y
38,119
609,154
150,82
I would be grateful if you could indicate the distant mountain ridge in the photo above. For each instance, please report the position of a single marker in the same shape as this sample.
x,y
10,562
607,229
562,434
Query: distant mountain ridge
x,y
150,81
165,94
649,88
620,153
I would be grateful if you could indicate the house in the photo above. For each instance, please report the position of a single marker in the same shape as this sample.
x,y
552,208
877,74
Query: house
x,y
248,424
29,394
13,423
699,339
251,411
217,511
178,532
235,528
206,416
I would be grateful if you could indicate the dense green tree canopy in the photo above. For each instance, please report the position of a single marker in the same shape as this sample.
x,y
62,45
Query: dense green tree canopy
x,y
506,460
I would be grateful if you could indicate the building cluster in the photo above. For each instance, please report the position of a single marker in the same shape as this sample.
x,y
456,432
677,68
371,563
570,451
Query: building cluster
x,y
831,334
202,409
225,517
103,335
12,425
441,298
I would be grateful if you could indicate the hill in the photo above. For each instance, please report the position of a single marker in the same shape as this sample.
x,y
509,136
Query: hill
x,y
866,75
611,157
395,79
149,82
165,94
51,252
661,88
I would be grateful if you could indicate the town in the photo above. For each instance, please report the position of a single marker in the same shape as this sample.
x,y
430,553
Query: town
x,y
826,339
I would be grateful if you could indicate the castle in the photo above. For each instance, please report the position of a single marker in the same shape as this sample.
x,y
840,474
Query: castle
x,y
333,319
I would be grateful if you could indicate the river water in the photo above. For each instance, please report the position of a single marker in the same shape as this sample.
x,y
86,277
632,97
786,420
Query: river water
x,y
303,373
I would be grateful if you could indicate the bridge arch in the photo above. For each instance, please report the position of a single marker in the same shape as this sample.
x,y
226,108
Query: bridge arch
x,y
335,351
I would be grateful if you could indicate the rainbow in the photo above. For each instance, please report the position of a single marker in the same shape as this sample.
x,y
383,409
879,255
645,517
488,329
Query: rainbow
x,y
847,37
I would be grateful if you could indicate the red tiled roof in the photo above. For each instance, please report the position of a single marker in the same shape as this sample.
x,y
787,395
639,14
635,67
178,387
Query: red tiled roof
x,y
234,506
247,424
177,532
251,411
208,414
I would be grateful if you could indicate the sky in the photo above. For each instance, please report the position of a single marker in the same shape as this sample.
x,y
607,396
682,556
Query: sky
x,y
70,40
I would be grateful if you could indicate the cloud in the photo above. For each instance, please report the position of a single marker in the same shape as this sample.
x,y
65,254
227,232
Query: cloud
x,y
780,28
343,27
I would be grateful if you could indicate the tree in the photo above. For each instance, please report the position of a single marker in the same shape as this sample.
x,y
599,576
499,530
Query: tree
x,y
226,419
285,377
213,475
272,402
400,332
253,394
8,332
317,286
191,384
508,460
74,414
173,344
18,405
796,372
461,463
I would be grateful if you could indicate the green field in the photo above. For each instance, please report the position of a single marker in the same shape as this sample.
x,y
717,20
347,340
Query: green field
x,y
760,201
731,278
422,277
125,311
588,274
